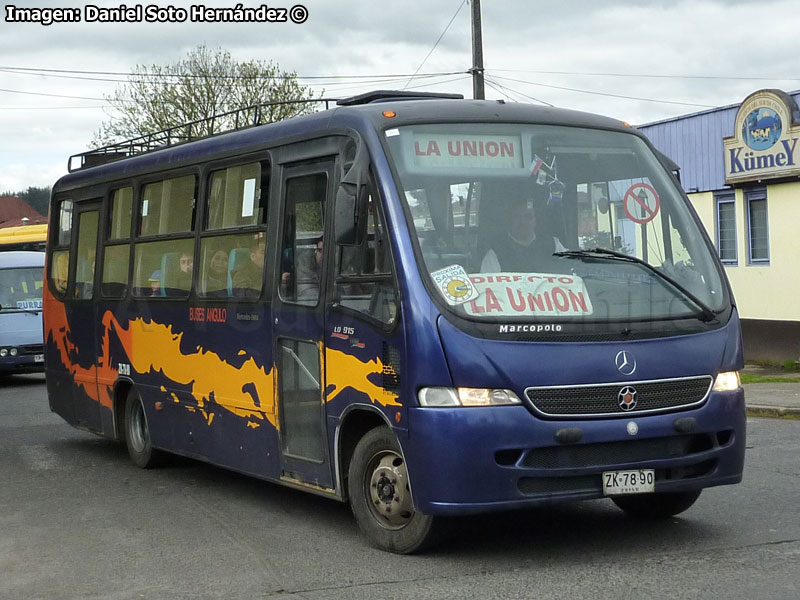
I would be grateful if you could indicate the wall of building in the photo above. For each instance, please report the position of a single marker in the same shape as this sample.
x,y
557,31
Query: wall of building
x,y
763,291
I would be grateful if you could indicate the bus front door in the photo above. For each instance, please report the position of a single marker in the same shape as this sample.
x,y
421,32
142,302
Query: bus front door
x,y
81,315
299,318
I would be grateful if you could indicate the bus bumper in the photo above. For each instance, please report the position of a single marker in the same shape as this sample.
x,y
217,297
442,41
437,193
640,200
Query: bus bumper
x,y
472,460
20,364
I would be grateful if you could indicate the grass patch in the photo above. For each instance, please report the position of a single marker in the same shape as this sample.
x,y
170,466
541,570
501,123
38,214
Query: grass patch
x,y
747,378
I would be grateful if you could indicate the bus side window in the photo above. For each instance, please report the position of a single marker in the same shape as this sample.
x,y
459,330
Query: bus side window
x,y
364,280
59,259
87,251
163,268
116,257
301,255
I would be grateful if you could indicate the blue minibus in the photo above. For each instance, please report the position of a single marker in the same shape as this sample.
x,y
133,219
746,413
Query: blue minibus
x,y
421,305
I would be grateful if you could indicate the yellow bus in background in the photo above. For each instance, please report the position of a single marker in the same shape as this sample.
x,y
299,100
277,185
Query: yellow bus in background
x,y
24,237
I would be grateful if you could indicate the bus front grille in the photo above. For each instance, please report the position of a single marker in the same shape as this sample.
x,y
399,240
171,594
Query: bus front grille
x,y
619,399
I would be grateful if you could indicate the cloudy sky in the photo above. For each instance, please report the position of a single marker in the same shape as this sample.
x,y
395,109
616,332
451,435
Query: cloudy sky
x,y
636,60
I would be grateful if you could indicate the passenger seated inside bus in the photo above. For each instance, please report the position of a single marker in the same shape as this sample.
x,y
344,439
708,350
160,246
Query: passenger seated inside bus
x,y
246,280
300,279
155,282
215,278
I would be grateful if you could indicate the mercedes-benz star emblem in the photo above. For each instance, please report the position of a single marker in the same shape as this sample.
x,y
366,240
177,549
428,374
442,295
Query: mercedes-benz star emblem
x,y
625,362
627,398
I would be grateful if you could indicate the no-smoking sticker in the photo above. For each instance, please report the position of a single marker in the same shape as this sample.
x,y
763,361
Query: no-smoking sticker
x,y
641,203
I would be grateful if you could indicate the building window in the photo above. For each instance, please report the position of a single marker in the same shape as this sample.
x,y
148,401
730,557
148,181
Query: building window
x,y
757,226
726,228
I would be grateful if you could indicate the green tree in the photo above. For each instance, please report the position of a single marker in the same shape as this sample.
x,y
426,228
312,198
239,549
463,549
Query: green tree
x,y
204,83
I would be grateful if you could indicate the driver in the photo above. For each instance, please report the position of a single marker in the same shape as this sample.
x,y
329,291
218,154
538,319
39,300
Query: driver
x,y
517,249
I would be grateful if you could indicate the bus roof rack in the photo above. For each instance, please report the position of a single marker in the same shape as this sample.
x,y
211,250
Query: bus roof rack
x,y
392,95
241,118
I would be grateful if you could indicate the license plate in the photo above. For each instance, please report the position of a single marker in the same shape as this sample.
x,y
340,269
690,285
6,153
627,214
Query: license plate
x,y
38,358
618,483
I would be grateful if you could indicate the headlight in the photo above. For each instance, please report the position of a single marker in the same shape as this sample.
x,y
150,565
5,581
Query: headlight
x,y
3,352
727,382
13,352
442,396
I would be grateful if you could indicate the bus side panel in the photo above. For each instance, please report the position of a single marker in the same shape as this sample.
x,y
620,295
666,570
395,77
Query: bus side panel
x,y
204,374
206,378
365,365
71,370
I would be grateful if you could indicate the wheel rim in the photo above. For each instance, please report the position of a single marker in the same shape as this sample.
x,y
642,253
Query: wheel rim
x,y
139,435
387,490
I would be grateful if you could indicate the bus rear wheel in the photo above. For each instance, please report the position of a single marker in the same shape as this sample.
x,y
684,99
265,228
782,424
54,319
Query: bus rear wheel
x,y
657,506
137,433
380,496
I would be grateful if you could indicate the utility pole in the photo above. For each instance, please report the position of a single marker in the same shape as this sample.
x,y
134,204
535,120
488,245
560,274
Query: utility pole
x,y
478,91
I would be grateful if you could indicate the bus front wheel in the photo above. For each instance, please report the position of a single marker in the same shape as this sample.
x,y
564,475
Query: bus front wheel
x,y
657,506
137,433
380,496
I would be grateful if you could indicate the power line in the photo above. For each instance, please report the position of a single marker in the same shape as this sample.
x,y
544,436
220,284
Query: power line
x,y
558,87
48,107
650,75
427,56
51,95
509,89
40,71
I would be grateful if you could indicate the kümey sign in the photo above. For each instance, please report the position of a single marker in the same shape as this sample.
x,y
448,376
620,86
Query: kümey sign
x,y
467,151
764,142
528,294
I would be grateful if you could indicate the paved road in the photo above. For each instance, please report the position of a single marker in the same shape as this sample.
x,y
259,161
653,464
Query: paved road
x,y
77,520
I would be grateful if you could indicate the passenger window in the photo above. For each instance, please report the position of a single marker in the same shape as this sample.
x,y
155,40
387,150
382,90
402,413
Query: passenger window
x,y
364,280
301,256
235,197
59,258
65,223
231,265
87,254
121,205
115,270
168,206
59,269
163,268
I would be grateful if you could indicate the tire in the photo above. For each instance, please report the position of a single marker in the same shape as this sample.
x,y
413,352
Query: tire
x,y
137,433
657,506
380,497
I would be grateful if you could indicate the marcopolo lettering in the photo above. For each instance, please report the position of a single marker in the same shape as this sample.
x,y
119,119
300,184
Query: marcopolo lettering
x,y
529,328
745,161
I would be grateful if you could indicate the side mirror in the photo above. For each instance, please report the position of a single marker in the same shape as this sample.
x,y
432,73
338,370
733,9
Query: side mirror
x,y
350,198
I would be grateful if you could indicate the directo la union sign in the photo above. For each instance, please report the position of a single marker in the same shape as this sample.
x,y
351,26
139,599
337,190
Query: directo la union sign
x,y
764,142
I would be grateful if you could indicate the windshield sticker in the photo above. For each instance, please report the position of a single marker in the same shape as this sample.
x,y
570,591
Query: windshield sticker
x,y
641,203
29,304
529,294
454,284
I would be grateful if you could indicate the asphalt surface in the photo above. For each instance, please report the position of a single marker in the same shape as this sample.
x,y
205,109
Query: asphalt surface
x,y
78,520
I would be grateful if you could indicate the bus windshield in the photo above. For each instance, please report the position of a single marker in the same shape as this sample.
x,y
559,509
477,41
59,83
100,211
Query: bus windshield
x,y
21,289
529,222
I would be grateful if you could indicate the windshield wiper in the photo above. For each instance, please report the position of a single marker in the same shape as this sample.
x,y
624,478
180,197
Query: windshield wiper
x,y
705,314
